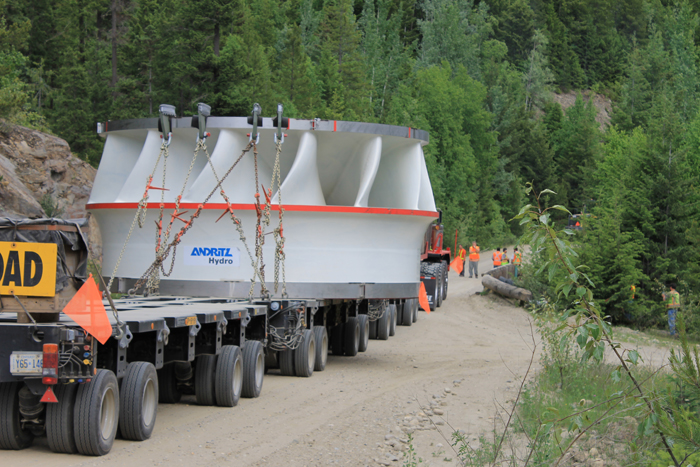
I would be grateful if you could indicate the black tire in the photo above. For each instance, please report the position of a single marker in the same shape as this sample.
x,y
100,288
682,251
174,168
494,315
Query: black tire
x,y
321,336
399,314
305,355
12,436
407,313
384,324
59,420
253,369
373,329
271,361
138,401
446,275
228,377
415,309
286,361
204,379
394,313
337,339
363,321
167,385
351,339
96,414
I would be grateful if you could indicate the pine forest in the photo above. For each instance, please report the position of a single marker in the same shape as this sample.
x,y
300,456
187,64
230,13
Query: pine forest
x,y
480,76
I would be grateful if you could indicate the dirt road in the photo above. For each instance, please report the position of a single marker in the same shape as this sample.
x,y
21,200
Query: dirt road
x,y
476,347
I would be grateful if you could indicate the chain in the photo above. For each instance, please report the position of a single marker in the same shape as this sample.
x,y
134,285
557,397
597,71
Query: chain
x,y
278,233
201,145
159,260
236,221
140,215
376,310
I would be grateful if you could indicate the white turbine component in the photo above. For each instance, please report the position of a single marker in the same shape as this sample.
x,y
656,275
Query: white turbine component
x,y
398,178
240,184
426,201
356,198
356,181
302,185
120,153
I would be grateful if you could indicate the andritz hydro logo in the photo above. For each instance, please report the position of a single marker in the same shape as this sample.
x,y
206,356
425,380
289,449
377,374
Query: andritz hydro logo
x,y
212,256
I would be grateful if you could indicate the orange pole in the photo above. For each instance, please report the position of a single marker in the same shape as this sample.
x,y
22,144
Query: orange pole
x,y
456,232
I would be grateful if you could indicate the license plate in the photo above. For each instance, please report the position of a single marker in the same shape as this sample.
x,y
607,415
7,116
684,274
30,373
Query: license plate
x,y
26,363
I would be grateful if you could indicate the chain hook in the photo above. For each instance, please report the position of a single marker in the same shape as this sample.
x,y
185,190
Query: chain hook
x,y
256,120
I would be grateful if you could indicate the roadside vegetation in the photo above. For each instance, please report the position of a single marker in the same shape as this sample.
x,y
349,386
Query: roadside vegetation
x,y
593,401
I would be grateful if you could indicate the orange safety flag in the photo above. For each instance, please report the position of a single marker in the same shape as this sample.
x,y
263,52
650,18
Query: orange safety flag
x,y
87,310
457,264
423,298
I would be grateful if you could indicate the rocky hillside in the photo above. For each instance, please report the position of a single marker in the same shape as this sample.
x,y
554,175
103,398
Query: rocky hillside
x,y
37,168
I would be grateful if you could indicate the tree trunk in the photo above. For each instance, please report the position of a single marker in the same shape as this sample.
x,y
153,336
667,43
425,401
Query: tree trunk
x,y
217,39
506,290
114,45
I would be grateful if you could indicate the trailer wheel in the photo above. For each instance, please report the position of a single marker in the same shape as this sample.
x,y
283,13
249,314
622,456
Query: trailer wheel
x,y
351,341
12,436
392,328
167,385
364,333
271,360
415,309
286,361
305,355
253,368
407,312
138,401
59,420
446,273
373,329
384,325
337,339
96,414
228,378
204,379
321,336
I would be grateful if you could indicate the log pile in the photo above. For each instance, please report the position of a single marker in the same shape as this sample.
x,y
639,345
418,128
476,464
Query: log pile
x,y
504,289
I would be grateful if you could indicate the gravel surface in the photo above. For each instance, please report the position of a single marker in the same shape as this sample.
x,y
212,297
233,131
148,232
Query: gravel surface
x,y
452,370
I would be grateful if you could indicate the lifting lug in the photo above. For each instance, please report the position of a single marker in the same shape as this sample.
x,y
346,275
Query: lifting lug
x,y
167,113
200,122
256,121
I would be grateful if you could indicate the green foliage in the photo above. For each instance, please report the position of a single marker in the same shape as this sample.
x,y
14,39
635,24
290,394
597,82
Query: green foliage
x,y
51,206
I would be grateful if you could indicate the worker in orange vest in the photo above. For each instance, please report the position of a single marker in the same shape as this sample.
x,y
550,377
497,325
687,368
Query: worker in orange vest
x,y
517,260
497,257
474,260
504,257
463,255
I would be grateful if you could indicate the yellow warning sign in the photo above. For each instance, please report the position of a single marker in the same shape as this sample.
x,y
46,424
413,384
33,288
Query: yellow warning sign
x,y
28,269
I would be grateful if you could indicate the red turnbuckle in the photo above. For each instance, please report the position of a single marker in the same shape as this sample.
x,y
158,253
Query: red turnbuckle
x,y
229,209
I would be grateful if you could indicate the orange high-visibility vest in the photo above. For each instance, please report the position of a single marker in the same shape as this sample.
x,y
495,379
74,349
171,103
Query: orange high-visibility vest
x,y
474,253
496,258
517,258
462,253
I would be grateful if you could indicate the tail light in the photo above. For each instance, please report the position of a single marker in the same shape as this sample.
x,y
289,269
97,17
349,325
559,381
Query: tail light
x,y
50,364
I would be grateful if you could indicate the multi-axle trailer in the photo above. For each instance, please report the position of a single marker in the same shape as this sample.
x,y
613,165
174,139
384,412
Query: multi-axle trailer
x,y
347,269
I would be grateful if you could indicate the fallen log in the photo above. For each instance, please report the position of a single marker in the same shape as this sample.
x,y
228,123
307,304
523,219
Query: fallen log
x,y
506,290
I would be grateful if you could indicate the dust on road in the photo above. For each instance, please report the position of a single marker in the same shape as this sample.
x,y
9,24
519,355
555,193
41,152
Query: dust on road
x,y
358,410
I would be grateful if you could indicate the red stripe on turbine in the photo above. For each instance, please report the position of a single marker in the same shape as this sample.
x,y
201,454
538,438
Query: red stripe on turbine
x,y
274,207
